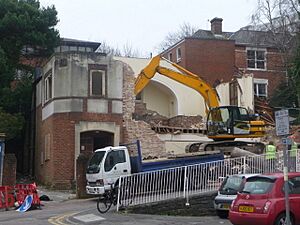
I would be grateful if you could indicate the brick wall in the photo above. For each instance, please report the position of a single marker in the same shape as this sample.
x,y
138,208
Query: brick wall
x,y
9,170
150,143
82,162
211,59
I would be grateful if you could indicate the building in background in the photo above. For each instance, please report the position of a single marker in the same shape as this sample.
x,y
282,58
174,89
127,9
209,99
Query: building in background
x,y
218,56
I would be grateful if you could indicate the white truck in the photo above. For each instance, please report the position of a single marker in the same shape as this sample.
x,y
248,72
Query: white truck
x,y
109,163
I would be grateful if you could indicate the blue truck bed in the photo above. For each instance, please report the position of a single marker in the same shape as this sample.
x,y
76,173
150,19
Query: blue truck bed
x,y
137,165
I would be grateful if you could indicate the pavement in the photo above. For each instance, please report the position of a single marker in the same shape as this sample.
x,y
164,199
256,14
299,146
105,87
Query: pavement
x,y
56,195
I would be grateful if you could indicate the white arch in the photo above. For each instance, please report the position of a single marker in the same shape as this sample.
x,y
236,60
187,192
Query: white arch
x,y
160,98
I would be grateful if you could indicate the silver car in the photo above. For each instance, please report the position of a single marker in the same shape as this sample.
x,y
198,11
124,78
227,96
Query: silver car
x,y
228,192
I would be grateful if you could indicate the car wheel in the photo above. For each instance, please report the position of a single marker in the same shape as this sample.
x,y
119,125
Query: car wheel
x,y
280,220
222,214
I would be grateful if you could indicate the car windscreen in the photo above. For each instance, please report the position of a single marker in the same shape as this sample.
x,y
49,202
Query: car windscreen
x,y
258,185
231,185
94,163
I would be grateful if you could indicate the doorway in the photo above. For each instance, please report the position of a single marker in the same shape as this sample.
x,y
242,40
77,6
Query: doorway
x,y
92,140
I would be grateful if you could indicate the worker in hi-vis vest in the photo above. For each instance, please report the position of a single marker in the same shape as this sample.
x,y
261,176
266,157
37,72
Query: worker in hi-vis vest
x,y
292,157
270,157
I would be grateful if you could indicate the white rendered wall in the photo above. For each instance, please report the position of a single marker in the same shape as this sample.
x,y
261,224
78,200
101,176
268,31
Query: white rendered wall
x,y
189,102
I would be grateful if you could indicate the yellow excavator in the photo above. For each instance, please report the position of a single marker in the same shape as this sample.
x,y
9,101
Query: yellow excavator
x,y
224,123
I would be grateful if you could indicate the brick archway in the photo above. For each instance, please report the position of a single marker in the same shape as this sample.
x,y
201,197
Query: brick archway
x,y
92,140
110,128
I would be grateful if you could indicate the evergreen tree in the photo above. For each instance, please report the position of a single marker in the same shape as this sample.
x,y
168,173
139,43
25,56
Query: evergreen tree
x,y
27,34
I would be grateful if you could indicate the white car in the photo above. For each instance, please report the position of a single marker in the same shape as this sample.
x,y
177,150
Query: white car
x,y
228,192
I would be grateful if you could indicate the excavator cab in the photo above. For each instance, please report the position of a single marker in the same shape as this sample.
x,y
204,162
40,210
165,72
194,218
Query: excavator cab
x,y
227,122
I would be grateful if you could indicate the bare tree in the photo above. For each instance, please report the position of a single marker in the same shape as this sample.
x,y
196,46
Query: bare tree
x,y
127,50
280,19
185,30
106,48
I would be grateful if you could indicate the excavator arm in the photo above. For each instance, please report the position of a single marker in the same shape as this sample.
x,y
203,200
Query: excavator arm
x,y
182,76
224,122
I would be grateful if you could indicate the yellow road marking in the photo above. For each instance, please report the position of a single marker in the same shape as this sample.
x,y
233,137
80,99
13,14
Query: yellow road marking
x,y
59,220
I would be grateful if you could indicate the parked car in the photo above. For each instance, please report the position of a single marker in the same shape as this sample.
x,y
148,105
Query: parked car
x,y
261,202
228,192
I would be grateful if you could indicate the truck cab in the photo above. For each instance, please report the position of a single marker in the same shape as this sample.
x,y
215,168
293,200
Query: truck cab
x,y
105,167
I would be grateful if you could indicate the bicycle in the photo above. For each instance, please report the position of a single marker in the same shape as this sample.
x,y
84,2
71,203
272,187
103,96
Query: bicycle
x,y
106,200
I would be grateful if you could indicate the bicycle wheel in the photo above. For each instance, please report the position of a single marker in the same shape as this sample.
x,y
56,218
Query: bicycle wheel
x,y
104,203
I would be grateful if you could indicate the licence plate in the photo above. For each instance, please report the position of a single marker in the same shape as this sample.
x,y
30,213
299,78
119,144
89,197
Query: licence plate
x,y
225,206
244,208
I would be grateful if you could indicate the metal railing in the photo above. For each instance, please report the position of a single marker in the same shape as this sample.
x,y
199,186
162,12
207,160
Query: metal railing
x,y
182,182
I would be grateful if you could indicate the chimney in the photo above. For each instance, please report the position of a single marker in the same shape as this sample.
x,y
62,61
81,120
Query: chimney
x,y
216,25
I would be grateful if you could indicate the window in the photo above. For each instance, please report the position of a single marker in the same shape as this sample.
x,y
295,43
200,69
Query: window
x,y
258,185
178,54
256,59
260,87
231,185
170,56
48,86
97,82
114,157
95,162
294,185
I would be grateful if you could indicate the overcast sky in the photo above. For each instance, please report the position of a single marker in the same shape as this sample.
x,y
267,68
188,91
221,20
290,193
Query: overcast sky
x,y
144,23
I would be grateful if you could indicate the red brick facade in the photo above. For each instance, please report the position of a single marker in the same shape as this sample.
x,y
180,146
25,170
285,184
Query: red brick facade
x,y
58,170
211,60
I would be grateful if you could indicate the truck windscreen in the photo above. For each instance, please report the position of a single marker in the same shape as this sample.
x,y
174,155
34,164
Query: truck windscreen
x,y
94,164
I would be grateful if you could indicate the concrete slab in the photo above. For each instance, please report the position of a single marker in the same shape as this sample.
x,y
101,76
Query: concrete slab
x,y
88,218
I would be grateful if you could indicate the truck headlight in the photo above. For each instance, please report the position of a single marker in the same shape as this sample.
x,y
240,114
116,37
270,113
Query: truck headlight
x,y
100,182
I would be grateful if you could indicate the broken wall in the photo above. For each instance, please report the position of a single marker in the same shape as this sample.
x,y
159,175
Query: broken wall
x,y
244,90
138,130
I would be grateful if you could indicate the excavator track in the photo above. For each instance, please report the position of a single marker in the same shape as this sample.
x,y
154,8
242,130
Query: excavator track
x,y
226,147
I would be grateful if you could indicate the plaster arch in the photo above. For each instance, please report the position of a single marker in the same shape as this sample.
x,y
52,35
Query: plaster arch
x,y
160,98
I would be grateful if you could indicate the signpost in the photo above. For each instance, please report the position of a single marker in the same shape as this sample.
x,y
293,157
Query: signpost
x,y
282,122
283,129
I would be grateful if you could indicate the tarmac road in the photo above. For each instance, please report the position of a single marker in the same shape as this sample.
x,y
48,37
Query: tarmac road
x,y
64,209
85,212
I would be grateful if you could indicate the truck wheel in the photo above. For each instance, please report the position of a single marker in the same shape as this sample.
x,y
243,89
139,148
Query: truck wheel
x,y
222,214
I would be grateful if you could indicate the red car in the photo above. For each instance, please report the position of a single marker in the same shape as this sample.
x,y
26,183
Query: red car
x,y
261,202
